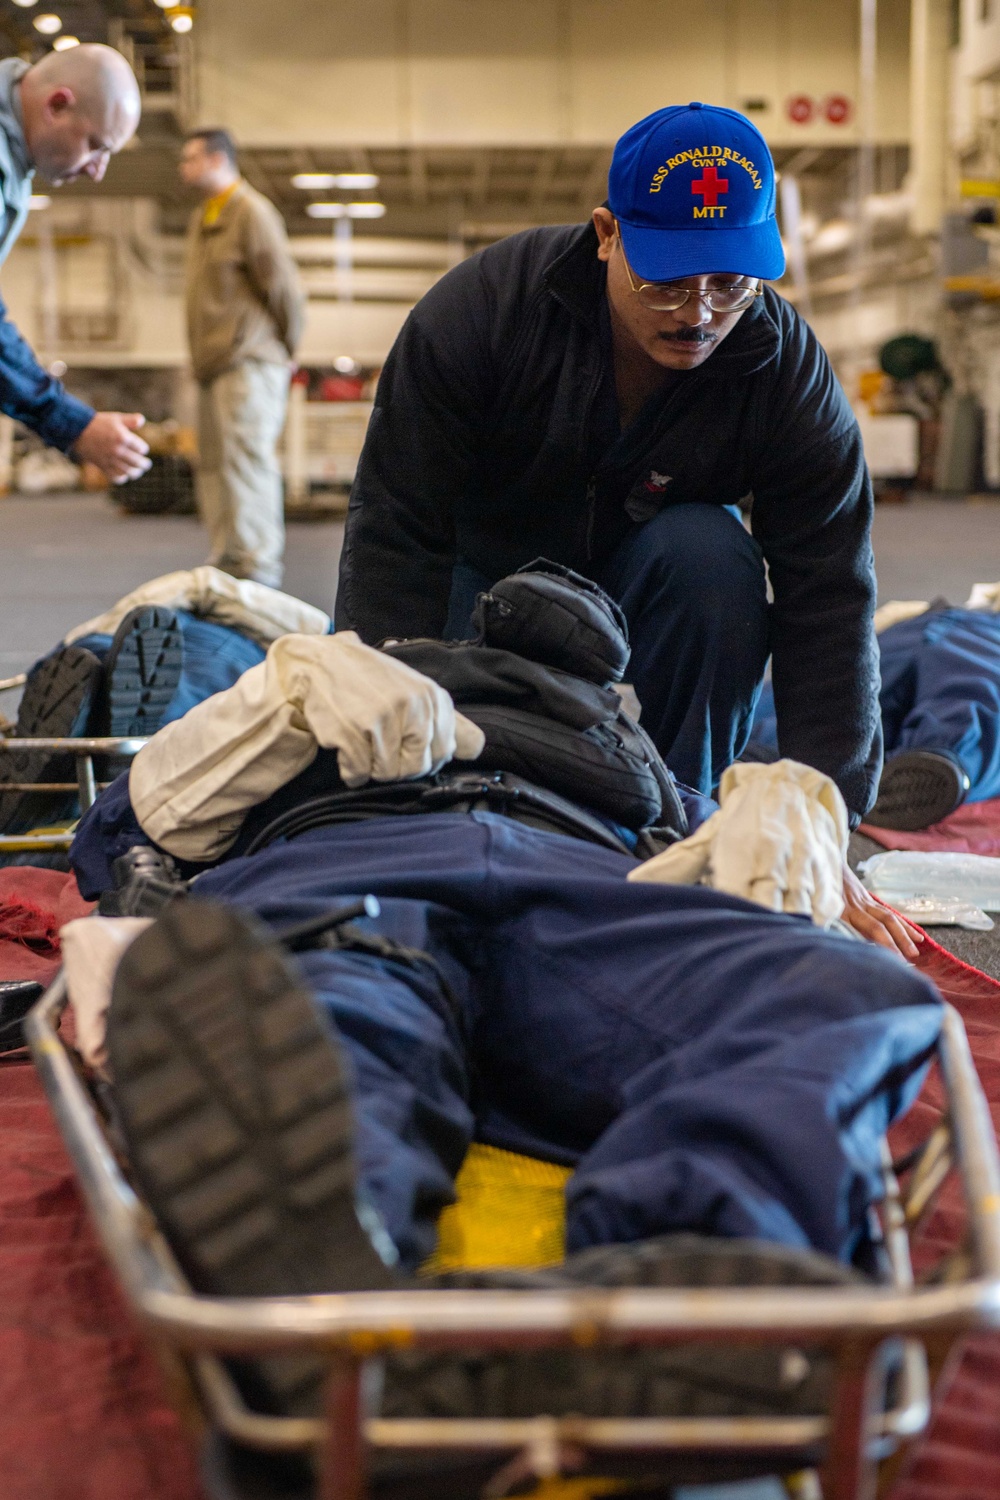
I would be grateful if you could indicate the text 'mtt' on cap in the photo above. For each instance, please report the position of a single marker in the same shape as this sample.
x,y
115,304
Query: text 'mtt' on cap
x,y
692,188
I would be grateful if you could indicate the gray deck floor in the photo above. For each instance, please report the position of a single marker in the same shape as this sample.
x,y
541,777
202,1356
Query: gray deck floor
x,y
65,558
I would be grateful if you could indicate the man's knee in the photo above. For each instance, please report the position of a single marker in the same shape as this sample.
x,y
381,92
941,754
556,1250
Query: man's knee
x,y
698,552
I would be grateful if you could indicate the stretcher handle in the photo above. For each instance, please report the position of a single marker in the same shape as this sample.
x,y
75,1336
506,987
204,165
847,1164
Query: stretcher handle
x,y
49,786
975,1143
35,843
511,1318
89,745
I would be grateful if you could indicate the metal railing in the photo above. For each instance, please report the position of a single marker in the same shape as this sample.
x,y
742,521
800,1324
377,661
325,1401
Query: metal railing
x,y
83,749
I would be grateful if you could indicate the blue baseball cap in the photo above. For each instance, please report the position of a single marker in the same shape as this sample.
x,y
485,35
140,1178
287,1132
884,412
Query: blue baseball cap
x,y
692,188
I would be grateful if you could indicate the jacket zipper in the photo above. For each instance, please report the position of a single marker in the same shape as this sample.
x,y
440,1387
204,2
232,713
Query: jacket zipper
x,y
591,515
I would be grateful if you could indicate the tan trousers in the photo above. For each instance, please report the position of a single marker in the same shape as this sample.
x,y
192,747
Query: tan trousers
x,y
240,493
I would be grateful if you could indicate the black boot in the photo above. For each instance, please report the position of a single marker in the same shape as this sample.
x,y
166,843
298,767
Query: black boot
x,y
142,671
59,702
918,788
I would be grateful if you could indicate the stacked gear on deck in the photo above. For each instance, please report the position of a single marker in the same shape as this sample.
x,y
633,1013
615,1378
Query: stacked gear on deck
x,y
940,708
165,646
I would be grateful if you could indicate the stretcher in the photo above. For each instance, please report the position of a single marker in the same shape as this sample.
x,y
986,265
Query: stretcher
x,y
57,838
906,1324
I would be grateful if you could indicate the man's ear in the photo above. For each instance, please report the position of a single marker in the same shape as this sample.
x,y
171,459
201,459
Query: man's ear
x,y
60,101
604,223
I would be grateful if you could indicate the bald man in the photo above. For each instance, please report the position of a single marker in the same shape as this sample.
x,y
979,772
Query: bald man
x,y
65,117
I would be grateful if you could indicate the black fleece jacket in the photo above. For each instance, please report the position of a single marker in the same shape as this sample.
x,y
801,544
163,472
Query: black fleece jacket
x,y
481,450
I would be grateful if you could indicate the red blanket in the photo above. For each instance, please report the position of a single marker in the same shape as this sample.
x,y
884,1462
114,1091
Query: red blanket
x,y
34,904
973,828
82,1410
959,1459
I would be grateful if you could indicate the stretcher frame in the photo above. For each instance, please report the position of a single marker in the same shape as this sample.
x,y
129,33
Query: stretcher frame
x,y
83,749
859,1325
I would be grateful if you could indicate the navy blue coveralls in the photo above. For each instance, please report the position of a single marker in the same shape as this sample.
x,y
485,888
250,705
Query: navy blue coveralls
x,y
215,656
495,440
703,1064
940,692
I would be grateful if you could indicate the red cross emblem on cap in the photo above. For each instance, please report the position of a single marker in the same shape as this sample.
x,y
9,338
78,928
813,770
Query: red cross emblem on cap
x,y
710,185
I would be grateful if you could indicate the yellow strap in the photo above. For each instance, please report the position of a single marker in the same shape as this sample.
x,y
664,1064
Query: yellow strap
x,y
510,1211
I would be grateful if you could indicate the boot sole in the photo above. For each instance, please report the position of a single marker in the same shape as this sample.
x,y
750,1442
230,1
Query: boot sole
x,y
59,698
917,788
142,671
234,1104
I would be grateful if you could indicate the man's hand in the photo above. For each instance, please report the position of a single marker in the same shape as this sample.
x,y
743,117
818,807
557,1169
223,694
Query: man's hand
x,y
876,922
111,442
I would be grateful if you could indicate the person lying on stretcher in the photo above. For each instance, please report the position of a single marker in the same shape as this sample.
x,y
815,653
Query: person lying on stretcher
x,y
181,638
164,647
297,1094
940,705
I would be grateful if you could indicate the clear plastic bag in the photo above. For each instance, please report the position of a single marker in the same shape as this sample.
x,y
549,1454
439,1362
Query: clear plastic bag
x,y
936,889
942,911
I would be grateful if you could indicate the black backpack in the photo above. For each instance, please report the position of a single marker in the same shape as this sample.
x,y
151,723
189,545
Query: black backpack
x,y
538,681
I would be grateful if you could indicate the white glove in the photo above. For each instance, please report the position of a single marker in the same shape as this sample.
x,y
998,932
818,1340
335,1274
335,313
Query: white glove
x,y
192,785
984,596
255,610
92,949
779,838
897,610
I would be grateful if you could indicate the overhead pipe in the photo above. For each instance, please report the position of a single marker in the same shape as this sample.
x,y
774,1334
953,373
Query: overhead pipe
x,y
930,41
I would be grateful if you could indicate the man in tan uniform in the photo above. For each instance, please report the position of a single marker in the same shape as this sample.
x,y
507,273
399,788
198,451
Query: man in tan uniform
x,y
244,316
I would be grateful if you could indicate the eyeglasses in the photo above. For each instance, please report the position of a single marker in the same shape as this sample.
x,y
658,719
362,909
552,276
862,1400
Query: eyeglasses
x,y
662,296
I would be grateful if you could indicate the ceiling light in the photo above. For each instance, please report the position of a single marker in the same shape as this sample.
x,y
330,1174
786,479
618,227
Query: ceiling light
x,y
164,4
345,210
64,43
39,200
351,181
345,365
307,180
183,22
345,182
25,4
47,24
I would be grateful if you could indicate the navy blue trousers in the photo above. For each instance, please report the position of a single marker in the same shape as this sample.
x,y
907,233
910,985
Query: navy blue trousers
x,y
701,1063
692,585
214,657
940,691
